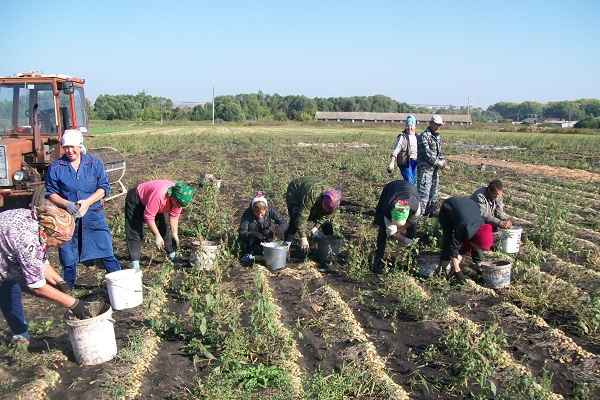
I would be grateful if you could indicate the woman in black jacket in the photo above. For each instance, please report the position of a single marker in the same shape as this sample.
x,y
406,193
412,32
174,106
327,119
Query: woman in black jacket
x,y
255,227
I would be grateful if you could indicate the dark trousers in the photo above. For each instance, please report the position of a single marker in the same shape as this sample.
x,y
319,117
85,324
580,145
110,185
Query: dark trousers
x,y
382,238
293,210
134,225
11,304
252,246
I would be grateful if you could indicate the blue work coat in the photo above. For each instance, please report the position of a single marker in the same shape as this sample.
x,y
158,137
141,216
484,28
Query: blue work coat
x,y
92,237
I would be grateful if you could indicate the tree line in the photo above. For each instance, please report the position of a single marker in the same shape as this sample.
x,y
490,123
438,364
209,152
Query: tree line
x,y
260,106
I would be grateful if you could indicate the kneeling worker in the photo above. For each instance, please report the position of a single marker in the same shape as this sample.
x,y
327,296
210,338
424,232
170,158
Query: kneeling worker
x,y
255,227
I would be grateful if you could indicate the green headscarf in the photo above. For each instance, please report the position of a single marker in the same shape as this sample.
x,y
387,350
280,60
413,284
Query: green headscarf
x,y
182,194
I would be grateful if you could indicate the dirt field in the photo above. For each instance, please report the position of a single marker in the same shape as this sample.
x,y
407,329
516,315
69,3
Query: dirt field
x,y
371,327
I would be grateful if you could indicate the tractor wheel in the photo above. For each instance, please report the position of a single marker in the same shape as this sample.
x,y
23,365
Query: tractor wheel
x,y
38,198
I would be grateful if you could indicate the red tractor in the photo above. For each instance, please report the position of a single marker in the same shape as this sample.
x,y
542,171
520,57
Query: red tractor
x,y
35,110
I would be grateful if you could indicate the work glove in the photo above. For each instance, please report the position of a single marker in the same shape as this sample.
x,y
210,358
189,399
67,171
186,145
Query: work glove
x,y
408,241
73,209
64,287
256,236
315,233
175,241
159,242
390,167
269,236
80,310
304,245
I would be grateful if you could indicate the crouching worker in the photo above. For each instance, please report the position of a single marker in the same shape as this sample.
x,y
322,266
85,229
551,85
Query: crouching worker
x,y
398,210
463,230
151,202
255,227
24,237
310,199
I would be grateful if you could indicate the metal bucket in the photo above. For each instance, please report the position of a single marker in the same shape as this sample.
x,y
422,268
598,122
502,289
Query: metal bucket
x,y
496,274
275,255
428,263
511,239
328,247
204,255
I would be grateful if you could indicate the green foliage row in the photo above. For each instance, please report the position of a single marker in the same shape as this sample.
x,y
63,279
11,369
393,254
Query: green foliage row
x,y
569,110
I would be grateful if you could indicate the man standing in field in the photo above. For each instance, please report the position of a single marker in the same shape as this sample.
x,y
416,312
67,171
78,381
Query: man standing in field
x,y
429,160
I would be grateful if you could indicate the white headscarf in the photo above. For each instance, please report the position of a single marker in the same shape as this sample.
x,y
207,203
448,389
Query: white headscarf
x,y
73,137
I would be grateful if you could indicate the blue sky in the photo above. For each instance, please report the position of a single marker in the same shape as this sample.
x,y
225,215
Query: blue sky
x,y
419,52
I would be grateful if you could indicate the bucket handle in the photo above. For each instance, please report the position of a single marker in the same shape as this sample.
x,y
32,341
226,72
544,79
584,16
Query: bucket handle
x,y
121,287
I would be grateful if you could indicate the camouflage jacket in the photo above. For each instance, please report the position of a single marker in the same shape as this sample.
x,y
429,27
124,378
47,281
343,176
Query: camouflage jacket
x,y
304,194
429,151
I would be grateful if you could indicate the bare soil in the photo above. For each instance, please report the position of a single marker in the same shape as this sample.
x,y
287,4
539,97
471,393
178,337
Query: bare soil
x,y
172,372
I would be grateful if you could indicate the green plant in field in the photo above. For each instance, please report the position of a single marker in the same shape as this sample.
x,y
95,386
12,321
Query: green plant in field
x,y
548,228
430,232
359,250
588,315
348,382
208,216
260,376
40,326
116,225
477,354
526,387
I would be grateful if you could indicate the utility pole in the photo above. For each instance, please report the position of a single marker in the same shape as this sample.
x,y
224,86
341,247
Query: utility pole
x,y
213,101
161,112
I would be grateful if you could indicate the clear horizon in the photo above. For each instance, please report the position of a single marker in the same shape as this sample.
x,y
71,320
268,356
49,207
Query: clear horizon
x,y
430,52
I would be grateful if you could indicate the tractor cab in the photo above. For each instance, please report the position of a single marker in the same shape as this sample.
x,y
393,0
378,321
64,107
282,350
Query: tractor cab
x,y
35,110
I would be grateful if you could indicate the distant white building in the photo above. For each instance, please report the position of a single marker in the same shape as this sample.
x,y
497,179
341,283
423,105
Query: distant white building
x,y
362,117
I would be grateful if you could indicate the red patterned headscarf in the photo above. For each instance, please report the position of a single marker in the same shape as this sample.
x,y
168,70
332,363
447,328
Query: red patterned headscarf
x,y
331,199
55,222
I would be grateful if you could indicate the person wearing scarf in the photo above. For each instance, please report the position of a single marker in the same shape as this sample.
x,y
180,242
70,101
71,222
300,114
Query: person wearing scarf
x,y
158,204
25,236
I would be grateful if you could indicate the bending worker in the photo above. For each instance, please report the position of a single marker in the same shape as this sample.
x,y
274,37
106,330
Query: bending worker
x,y
310,199
255,227
151,202
77,182
24,237
463,230
398,210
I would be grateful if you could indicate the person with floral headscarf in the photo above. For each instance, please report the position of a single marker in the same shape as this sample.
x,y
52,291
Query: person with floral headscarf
x,y
151,202
398,210
404,153
25,236
310,199
78,182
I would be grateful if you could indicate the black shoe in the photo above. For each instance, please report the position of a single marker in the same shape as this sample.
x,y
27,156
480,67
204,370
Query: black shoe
x,y
377,266
460,277
32,345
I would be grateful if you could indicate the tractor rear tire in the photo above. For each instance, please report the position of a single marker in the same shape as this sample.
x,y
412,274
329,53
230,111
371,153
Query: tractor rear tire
x,y
38,199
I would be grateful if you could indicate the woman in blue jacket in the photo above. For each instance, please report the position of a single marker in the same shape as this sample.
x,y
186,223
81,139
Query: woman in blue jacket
x,y
77,182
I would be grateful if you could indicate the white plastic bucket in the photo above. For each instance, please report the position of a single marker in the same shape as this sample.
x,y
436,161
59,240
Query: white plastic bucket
x,y
511,239
275,255
93,339
125,288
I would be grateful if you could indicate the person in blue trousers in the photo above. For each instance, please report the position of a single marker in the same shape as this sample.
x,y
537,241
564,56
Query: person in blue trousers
x,y
404,153
77,182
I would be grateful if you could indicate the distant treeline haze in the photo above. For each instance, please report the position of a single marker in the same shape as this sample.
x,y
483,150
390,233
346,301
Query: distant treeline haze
x,y
260,106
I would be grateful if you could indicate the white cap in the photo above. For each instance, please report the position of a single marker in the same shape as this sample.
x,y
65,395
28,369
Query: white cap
x,y
72,137
437,119
259,197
